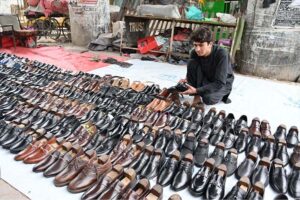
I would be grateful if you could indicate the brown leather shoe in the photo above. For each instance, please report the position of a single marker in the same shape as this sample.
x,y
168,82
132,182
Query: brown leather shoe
x,y
88,176
120,187
156,193
153,104
104,183
162,120
31,148
265,129
42,152
138,191
132,155
152,119
74,168
255,126
163,104
121,148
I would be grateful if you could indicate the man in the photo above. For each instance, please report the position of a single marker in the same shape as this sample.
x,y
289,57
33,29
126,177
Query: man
x,y
209,71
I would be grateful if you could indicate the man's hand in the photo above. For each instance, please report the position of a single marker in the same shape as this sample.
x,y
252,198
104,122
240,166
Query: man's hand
x,y
182,81
190,90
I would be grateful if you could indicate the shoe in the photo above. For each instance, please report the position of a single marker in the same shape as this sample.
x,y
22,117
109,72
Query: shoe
x,y
293,186
206,131
268,150
230,161
122,148
169,169
281,197
174,143
138,191
295,157
141,162
184,174
255,126
265,129
229,138
255,143
156,193
126,159
88,176
154,164
201,179
242,140
257,192
103,184
281,152
189,145
247,166
278,177
180,87
292,137
240,190
216,185
280,132
201,152
164,135
261,172
175,197
207,119
218,153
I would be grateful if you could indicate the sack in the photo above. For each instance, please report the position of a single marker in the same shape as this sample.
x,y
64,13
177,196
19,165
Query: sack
x,y
193,13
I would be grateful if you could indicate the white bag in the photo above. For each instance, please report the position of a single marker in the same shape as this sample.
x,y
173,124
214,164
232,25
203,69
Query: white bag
x,y
167,11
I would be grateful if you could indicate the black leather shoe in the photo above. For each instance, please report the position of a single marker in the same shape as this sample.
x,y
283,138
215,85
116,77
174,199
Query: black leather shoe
x,y
255,143
294,179
217,135
164,135
247,166
265,129
152,167
200,180
174,143
169,169
240,190
280,132
295,157
292,137
257,192
197,115
242,140
269,147
201,152
218,153
141,162
281,197
230,161
184,174
216,185
207,119
206,131
281,152
241,123
189,145
229,138
261,172
278,177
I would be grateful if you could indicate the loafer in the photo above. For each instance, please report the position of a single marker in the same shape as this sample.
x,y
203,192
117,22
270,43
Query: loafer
x,y
255,126
138,191
292,137
152,167
278,177
174,143
257,192
261,172
201,152
163,137
230,161
269,147
156,193
240,190
247,166
255,143
216,185
201,179
229,138
281,152
139,164
207,119
218,153
265,129
293,186
242,140
280,132
189,144
295,157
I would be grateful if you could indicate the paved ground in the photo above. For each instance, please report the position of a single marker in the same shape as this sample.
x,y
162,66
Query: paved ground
x,y
7,192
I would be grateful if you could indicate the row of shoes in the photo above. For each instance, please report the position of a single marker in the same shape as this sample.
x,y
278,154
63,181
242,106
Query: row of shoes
x,y
159,134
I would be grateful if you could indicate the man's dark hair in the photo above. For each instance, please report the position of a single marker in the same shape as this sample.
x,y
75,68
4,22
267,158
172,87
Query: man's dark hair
x,y
202,34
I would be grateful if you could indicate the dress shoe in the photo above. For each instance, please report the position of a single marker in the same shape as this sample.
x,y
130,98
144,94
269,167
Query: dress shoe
x,y
63,160
206,131
217,135
265,129
218,121
154,164
257,192
168,170
261,172
184,174
188,113
281,197
218,153
107,145
280,132
121,148
247,166
126,159
242,140
278,177
163,137
89,174
230,161
120,186
295,157
255,143
140,134
155,193
201,152
174,143
292,137
141,162
255,126
293,187
240,190
150,136
207,119
189,144
52,158
216,185
184,126
281,152
269,147
138,191
104,183
174,122
175,197
201,179
180,87
74,168
229,138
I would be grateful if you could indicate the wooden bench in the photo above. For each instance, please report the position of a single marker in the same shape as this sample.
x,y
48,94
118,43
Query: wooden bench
x,y
142,26
11,26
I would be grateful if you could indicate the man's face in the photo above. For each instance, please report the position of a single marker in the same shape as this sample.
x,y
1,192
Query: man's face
x,y
202,48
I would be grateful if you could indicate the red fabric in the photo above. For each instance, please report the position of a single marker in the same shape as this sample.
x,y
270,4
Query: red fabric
x,y
59,57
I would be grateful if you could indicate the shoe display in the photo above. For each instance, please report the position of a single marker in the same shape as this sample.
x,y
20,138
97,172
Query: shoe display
x,y
240,190
278,177
261,172
247,166
292,137
257,192
201,152
216,185
230,161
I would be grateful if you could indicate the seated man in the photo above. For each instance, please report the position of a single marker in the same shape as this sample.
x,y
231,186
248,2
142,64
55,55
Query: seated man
x,y
209,70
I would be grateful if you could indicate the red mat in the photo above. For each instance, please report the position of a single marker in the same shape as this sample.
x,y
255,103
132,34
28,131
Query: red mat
x,y
62,58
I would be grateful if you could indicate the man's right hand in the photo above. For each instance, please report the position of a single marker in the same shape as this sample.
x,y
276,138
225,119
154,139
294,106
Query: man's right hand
x,y
182,81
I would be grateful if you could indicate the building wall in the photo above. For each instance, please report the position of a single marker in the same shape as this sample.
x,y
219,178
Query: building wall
x,y
5,6
266,51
